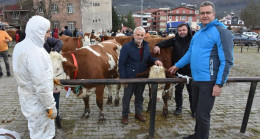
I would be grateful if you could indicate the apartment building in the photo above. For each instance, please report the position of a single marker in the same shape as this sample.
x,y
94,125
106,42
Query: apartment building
x,y
86,15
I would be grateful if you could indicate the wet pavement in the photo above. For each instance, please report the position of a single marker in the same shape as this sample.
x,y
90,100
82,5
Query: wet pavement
x,y
226,116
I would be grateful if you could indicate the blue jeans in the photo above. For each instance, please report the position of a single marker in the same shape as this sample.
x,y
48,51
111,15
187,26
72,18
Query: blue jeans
x,y
202,103
4,54
137,90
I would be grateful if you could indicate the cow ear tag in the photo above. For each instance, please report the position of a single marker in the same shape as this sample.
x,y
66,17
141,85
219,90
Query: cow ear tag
x,y
68,92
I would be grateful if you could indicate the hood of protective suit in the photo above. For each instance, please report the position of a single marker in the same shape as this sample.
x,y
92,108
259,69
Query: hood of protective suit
x,y
36,29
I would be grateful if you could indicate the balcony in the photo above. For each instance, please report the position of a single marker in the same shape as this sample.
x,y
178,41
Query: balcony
x,y
180,14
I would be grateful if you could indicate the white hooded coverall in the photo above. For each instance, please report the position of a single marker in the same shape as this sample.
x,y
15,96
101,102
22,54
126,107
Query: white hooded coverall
x,y
33,72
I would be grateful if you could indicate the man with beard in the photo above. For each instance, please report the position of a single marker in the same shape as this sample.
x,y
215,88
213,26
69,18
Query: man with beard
x,y
180,45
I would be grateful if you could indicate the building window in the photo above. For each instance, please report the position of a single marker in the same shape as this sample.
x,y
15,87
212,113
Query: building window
x,y
15,15
196,11
54,8
177,11
191,12
96,4
158,13
70,8
170,17
71,25
184,11
177,18
40,10
183,18
190,18
56,24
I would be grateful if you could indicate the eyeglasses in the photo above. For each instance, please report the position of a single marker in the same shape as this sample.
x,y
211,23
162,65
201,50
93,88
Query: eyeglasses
x,y
207,13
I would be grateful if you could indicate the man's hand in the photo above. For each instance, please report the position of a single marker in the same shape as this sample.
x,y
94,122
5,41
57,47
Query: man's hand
x,y
52,113
158,63
173,69
56,81
216,91
7,40
156,49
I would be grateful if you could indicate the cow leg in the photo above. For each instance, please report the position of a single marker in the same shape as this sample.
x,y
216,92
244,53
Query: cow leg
x,y
165,100
117,95
87,110
99,100
110,98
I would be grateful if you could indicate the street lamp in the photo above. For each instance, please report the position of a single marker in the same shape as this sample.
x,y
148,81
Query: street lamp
x,y
142,13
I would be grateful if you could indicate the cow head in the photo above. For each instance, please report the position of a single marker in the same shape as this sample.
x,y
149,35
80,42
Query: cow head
x,y
158,72
60,64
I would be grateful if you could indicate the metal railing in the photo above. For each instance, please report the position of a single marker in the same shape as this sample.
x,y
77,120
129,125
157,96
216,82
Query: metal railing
x,y
154,82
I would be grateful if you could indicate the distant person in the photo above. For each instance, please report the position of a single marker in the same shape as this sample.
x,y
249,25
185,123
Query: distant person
x,y
147,34
79,34
67,32
56,34
18,33
62,32
4,39
75,32
128,33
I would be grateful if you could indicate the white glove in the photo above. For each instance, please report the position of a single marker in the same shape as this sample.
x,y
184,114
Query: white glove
x,y
52,113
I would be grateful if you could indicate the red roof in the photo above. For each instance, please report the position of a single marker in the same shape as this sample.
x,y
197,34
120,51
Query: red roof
x,y
15,7
148,10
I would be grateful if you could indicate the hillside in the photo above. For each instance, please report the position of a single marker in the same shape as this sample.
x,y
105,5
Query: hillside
x,y
124,6
222,6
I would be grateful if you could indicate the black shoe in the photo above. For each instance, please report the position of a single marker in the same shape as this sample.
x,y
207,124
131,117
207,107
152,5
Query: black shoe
x,y
1,74
178,111
58,122
189,137
8,74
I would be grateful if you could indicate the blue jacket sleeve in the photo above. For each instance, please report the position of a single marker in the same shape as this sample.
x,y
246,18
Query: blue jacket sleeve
x,y
225,54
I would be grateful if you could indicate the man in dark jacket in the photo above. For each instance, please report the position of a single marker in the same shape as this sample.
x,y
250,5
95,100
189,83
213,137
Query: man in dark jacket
x,y
67,32
180,44
53,44
133,59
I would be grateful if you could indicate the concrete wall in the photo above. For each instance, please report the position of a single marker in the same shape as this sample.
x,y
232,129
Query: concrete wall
x,y
97,15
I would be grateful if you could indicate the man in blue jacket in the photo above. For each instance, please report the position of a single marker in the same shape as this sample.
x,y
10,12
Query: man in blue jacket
x,y
133,59
210,56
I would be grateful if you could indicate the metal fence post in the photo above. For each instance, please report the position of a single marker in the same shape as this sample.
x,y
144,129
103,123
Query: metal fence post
x,y
248,106
153,110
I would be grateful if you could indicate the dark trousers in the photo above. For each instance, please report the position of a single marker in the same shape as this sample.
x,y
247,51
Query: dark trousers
x,y
178,95
4,54
202,102
137,90
57,100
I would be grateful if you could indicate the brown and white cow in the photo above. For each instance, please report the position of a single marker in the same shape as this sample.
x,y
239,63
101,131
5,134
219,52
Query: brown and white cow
x,y
71,43
93,62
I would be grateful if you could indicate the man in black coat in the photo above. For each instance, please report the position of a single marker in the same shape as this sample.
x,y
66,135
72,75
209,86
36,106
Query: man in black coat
x,y
180,44
53,44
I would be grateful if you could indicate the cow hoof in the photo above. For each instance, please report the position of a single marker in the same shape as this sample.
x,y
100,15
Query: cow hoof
x,y
109,100
116,102
165,112
102,117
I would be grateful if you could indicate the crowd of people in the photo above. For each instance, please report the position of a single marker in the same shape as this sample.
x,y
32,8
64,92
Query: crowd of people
x,y
206,56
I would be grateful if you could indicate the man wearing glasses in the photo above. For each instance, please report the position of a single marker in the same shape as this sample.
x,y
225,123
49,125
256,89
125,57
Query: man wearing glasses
x,y
210,56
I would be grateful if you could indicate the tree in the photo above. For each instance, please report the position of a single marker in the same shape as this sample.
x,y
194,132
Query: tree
x,y
250,15
130,21
115,20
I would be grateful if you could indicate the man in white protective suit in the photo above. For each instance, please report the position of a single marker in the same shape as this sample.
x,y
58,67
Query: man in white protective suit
x,y
33,72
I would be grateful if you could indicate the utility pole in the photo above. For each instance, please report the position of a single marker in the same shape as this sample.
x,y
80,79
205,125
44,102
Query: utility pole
x,y
142,13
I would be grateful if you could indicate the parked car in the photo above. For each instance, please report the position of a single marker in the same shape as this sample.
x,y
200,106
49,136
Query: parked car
x,y
244,39
251,34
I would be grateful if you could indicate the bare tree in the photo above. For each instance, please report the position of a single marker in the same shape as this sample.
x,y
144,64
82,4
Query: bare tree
x,y
250,14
